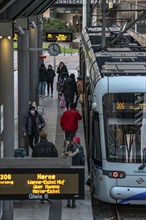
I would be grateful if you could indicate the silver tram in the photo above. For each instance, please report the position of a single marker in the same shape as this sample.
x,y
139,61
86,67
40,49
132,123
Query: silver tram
x,y
114,113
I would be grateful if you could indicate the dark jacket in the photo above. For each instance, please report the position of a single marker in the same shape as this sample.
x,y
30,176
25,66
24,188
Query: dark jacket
x,y
69,89
79,157
69,120
50,75
62,70
42,74
28,123
44,149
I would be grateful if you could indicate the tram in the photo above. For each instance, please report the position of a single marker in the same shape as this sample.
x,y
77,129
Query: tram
x,y
114,113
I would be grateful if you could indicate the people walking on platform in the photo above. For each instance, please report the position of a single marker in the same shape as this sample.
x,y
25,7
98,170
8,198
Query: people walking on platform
x,y
44,148
50,79
76,152
69,89
33,124
79,89
69,121
42,79
61,69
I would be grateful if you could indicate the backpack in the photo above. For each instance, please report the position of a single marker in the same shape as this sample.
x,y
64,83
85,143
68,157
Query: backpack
x,y
20,152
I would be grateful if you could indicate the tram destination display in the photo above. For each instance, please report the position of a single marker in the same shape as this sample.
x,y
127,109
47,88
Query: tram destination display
x,y
36,184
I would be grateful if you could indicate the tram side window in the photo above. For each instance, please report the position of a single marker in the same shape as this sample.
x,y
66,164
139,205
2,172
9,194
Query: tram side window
x,y
96,140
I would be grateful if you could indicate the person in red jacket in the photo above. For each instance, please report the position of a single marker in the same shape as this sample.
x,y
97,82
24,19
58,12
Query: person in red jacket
x,y
69,121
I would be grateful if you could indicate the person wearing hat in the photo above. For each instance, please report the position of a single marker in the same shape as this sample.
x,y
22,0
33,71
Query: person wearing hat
x,y
76,152
32,125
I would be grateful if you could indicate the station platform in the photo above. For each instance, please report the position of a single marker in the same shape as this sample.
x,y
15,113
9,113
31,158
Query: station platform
x,y
57,210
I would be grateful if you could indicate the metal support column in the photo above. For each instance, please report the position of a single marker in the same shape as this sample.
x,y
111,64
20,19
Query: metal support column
x,y
7,100
103,24
33,65
40,39
40,45
23,86
84,9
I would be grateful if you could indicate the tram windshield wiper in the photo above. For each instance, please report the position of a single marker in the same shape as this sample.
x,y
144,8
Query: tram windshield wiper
x,y
142,166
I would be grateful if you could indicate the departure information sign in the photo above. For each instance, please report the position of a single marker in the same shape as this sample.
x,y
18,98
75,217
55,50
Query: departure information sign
x,y
36,184
59,37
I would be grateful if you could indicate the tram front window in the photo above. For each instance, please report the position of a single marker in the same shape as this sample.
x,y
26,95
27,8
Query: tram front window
x,y
125,127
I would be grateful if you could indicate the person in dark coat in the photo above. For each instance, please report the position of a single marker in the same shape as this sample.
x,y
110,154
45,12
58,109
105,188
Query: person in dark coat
x,y
42,79
32,125
61,69
50,79
69,89
69,121
45,148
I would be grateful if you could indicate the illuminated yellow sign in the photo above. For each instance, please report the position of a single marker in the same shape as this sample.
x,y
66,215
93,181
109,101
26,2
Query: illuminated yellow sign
x,y
130,106
26,185
120,105
61,37
110,5
15,38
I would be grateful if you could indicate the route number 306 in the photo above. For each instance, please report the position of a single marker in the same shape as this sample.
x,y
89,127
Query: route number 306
x,y
5,176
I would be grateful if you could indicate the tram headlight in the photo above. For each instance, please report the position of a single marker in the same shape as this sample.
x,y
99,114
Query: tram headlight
x,y
116,174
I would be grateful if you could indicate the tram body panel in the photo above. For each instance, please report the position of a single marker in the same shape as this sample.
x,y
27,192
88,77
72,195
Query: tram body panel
x,y
134,179
115,109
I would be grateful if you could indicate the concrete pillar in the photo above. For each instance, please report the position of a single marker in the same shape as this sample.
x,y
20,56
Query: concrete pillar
x,y
40,45
23,86
7,103
33,65
7,94
39,39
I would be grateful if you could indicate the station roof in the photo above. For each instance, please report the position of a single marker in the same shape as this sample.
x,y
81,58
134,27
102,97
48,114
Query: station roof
x,y
11,10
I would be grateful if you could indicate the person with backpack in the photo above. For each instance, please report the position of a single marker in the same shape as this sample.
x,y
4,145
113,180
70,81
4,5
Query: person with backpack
x,y
42,80
50,79
69,89
32,125
76,152
44,148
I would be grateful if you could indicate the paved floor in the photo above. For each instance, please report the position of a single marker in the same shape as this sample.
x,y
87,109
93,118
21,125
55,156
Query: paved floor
x,y
33,210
